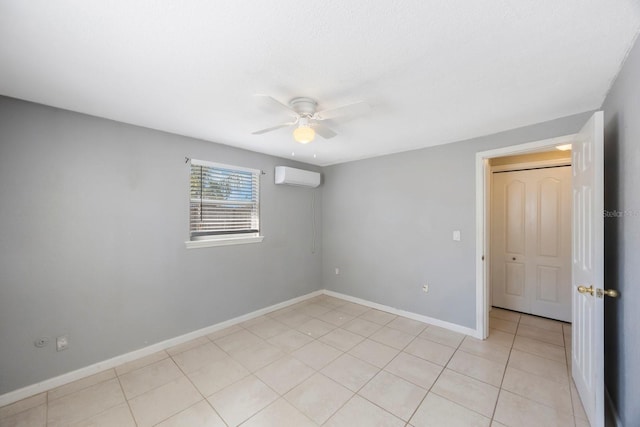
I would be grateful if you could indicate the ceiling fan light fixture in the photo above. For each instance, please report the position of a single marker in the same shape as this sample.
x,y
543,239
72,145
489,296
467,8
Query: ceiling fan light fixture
x,y
304,134
308,121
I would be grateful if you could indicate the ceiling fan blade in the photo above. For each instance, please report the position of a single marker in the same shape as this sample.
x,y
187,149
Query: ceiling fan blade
x,y
261,131
274,101
356,108
324,131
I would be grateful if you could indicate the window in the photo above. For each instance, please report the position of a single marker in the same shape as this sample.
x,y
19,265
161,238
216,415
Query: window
x,y
223,205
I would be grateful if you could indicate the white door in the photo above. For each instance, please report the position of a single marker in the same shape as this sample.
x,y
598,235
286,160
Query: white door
x,y
588,269
531,241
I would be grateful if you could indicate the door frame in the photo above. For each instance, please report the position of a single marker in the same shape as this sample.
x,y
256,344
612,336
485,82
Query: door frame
x,y
483,232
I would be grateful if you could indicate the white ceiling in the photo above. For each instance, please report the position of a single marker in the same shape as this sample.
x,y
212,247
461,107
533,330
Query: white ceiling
x,y
434,71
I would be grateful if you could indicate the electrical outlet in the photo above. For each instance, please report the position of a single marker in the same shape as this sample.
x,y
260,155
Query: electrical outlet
x,y
337,271
62,343
41,342
425,288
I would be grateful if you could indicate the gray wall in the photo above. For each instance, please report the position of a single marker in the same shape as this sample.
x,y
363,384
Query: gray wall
x,y
388,224
622,234
93,219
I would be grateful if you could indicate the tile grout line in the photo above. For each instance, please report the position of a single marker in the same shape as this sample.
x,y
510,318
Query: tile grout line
x,y
504,373
319,371
330,379
205,398
380,370
84,388
481,357
435,381
316,371
285,354
125,397
556,410
460,373
456,349
368,381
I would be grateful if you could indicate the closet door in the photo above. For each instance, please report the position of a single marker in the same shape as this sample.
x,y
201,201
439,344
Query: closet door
x,y
509,241
531,241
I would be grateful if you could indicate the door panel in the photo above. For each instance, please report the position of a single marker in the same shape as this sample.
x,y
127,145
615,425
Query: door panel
x,y
549,216
516,214
508,233
588,268
514,279
548,283
553,251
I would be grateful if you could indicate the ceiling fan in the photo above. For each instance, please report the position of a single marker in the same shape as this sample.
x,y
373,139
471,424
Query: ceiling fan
x,y
308,121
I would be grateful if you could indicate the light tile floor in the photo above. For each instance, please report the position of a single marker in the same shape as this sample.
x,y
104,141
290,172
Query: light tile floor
x,y
332,363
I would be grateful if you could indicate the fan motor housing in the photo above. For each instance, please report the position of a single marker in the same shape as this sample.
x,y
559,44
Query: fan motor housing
x,y
303,106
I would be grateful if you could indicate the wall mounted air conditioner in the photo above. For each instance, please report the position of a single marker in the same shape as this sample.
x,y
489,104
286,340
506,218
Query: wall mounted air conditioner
x,y
293,176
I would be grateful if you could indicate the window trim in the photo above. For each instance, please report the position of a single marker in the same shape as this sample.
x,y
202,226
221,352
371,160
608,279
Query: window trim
x,y
223,239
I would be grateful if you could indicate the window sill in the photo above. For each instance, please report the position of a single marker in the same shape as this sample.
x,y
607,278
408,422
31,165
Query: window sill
x,y
226,241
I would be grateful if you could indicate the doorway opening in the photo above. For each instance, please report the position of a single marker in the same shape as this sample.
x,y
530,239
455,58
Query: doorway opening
x,y
521,157
530,234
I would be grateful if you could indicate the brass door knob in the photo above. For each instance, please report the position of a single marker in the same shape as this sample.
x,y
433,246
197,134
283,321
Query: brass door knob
x,y
584,290
608,292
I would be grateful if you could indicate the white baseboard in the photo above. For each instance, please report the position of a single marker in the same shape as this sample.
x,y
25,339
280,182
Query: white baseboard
x,y
33,389
612,408
419,317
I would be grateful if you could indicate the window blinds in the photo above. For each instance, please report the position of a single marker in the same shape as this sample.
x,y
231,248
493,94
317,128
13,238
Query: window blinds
x,y
223,200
